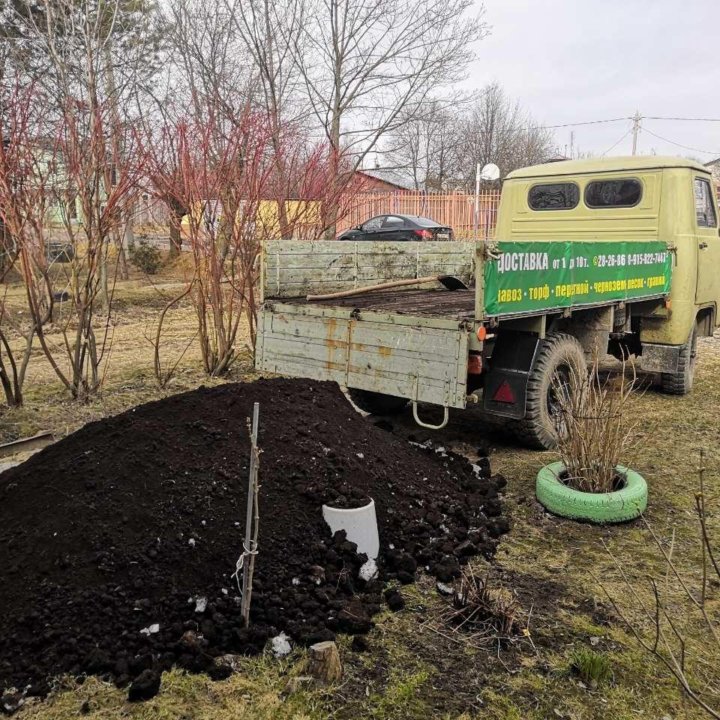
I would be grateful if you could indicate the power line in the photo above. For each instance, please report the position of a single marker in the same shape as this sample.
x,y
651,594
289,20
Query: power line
x,y
681,119
680,145
614,145
575,124
629,117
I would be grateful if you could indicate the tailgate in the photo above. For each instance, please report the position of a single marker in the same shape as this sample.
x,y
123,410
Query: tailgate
x,y
423,359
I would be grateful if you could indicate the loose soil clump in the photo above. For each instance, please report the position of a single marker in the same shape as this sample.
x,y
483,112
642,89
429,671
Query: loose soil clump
x,y
118,543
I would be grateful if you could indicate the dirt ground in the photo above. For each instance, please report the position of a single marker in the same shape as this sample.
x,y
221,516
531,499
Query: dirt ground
x,y
416,666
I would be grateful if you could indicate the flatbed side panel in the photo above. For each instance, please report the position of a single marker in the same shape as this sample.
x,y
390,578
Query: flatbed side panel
x,y
295,269
415,358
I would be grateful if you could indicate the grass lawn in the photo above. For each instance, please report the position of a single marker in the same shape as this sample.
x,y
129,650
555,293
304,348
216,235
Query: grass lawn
x,y
416,666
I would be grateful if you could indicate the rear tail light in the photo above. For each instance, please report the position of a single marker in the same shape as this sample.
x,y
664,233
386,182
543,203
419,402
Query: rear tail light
x,y
475,365
424,234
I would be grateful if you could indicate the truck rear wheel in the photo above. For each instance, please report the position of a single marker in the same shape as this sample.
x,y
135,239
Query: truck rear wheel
x,y
377,403
559,355
681,382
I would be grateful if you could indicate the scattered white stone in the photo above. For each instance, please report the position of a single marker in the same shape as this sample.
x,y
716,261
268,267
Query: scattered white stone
x,y
281,645
224,591
296,581
151,629
361,456
200,604
594,640
445,589
369,571
191,542
391,546
202,522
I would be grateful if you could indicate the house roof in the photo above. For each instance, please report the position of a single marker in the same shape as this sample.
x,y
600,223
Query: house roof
x,y
391,177
713,163
612,164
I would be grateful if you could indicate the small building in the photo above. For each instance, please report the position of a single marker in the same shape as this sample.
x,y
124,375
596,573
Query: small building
x,y
383,181
714,166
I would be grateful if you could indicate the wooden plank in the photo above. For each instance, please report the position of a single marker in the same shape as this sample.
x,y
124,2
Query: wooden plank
x,y
377,353
36,442
295,268
343,313
438,370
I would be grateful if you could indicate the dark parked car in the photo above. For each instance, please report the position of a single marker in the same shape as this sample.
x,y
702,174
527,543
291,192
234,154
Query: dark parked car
x,y
398,227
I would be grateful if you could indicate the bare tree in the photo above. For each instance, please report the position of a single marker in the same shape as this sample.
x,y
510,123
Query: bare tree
x,y
72,38
25,198
426,147
269,32
369,66
222,171
496,129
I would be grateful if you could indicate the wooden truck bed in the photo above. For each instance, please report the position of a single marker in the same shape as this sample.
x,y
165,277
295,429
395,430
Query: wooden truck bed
x,y
455,304
414,343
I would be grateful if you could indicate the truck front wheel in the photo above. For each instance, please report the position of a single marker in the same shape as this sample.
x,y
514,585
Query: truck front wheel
x,y
681,382
377,403
558,357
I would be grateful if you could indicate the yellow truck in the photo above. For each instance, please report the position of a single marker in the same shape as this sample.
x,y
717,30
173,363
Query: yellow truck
x,y
617,255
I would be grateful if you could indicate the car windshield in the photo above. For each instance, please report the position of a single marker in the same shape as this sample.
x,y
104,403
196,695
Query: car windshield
x,y
423,221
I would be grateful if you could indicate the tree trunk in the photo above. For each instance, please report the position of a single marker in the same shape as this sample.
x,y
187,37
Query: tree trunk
x,y
176,215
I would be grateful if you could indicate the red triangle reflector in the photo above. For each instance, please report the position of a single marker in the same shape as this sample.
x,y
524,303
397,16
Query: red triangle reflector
x,y
504,393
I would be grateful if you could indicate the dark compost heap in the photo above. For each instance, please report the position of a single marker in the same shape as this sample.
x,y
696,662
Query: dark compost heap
x,y
126,523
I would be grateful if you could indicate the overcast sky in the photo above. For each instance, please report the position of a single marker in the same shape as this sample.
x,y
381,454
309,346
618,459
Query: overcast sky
x,y
580,60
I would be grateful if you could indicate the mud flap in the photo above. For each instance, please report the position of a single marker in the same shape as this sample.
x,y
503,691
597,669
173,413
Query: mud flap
x,y
505,392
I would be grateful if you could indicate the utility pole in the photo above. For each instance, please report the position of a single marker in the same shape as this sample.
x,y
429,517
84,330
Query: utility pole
x,y
636,129
572,144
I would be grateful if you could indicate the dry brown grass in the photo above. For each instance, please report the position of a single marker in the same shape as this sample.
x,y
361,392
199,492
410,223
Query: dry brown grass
x,y
128,376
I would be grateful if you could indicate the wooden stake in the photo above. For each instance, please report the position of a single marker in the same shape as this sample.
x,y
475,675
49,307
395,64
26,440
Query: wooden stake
x,y
251,534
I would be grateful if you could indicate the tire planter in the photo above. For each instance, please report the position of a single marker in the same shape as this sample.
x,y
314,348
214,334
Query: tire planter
x,y
619,506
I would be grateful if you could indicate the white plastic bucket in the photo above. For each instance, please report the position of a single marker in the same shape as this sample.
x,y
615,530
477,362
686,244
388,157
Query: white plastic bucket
x,y
360,524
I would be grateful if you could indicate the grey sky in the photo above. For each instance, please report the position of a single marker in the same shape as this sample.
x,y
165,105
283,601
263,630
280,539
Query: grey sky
x,y
579,60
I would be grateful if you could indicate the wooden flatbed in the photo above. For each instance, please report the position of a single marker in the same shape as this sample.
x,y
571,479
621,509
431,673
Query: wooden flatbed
x,y
457,304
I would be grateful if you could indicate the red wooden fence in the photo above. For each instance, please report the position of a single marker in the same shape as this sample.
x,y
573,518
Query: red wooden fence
x,y
456,210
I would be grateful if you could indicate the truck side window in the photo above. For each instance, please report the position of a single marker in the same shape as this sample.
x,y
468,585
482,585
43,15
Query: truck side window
x,y
704,208
613,193
554,196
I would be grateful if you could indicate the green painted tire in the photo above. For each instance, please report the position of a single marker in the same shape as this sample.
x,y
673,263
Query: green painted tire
x,y
619,506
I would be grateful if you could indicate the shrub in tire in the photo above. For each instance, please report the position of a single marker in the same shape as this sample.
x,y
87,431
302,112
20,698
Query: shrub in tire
x,y
377,403
619,506
537,428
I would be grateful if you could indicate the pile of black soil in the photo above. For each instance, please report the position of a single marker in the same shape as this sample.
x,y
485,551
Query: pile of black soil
x,y
118,543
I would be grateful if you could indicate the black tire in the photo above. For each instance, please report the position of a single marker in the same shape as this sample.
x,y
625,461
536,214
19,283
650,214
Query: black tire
x,y
681,382
377,403
558,353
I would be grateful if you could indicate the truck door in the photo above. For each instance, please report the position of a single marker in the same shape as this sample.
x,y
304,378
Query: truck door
x,y
708,242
